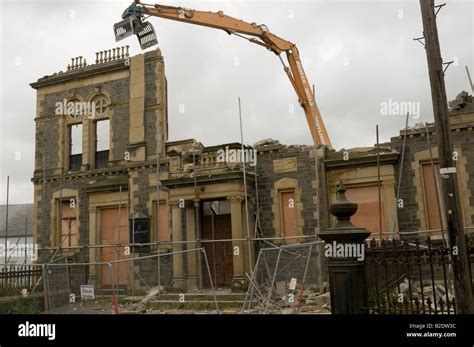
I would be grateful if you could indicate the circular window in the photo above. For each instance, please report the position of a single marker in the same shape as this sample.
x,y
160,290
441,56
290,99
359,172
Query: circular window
x,y
101,105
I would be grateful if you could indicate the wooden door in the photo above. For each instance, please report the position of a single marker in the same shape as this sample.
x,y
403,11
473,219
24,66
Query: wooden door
x,y
219,254
113,229
290,226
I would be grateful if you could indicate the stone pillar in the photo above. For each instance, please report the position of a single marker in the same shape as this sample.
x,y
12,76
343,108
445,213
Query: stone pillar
x,y
237,233
178,271
136,128
192,275
346,272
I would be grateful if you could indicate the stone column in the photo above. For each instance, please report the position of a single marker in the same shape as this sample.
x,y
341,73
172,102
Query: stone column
x,y
346,272
178,271
237,233
192,275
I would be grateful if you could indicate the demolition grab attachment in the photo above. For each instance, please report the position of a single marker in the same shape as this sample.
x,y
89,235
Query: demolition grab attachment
x,y
133,23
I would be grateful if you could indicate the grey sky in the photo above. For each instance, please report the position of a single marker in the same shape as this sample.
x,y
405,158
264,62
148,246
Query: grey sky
x,y
357,53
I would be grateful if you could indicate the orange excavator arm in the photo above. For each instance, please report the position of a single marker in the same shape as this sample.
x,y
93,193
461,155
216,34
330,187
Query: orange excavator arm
x,y
258,34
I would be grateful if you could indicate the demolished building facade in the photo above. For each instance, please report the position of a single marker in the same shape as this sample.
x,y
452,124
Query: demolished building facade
x,y
97,187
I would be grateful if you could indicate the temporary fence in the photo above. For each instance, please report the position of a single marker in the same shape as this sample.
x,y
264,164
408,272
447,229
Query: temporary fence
x,y
95,287
281,276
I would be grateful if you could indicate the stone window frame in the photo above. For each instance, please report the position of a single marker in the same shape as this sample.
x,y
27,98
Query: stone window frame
x,y
90,128
282,185
420,158
67,147
366,176
65,135
55,235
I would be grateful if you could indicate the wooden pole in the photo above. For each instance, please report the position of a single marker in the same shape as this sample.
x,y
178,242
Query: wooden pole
x,y
6,222
452,210
442,222
396,226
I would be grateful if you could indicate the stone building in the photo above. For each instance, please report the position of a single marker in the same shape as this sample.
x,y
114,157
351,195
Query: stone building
x,y
102,128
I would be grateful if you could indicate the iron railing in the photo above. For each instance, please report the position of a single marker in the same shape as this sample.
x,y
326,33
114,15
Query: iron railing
x,y
411,278
14,278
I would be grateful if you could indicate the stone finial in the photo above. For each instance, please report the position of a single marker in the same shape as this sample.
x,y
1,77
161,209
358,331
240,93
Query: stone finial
x,y
342,209
97,57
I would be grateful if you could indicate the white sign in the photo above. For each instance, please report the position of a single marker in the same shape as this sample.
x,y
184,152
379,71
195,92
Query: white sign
x,y
87,292
447,170
293,284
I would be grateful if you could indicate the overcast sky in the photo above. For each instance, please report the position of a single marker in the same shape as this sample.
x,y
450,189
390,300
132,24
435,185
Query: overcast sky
x,y
359,54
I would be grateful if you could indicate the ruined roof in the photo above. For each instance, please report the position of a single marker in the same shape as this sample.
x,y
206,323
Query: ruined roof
x,y
463,103
360,156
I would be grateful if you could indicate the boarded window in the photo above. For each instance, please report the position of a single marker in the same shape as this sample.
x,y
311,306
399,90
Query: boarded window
x,y
75,147
429,188
288,213
367,215
164,232
69,232
102,143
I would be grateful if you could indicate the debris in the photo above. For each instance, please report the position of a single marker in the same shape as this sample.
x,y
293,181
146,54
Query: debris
x,y
150,295
280,288
322,300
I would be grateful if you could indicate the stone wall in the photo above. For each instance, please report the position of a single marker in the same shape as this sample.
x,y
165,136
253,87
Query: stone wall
x,y
277,162
412,216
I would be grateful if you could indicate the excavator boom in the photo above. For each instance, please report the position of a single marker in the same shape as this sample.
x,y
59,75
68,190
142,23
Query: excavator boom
x,y
133,23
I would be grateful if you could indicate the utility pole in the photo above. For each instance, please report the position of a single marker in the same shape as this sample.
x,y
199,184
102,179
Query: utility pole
x,y
452,210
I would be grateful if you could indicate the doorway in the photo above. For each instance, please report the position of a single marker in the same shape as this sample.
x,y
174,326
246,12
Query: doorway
x,y
113,229
216,225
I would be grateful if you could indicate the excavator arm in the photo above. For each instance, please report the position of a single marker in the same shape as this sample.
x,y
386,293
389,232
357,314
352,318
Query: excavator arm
x,y
133,22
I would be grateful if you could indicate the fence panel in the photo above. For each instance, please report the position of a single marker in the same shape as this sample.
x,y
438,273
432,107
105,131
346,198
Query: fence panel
x,y
411,278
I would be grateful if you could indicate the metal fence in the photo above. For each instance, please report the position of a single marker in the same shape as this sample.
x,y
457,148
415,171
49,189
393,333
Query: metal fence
x,y
281,275
411,278
96,287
